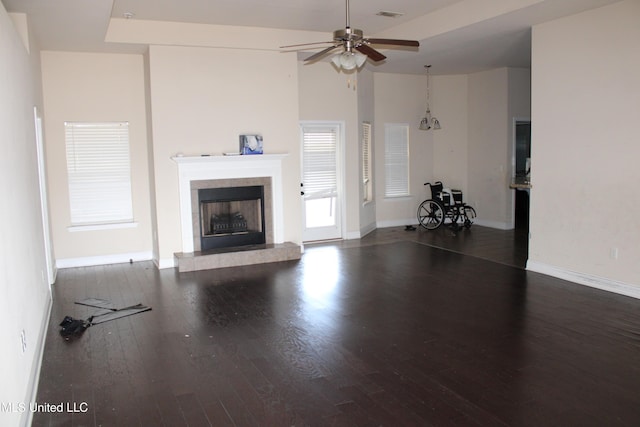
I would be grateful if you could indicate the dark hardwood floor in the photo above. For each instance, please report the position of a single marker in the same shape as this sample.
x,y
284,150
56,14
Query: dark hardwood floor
x,y
401,328
502,246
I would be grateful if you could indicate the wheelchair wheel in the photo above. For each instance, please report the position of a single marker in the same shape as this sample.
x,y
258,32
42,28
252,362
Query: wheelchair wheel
x,y
430,214
469,216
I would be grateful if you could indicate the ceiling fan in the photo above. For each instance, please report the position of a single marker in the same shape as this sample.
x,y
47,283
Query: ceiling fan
x,y
356,47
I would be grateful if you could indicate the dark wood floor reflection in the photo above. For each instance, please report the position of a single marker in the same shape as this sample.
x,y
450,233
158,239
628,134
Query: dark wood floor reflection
x,y
503,246
385,331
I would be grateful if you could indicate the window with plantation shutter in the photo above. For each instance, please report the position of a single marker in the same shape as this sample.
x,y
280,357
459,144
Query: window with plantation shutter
x,y
366,162
319,168
396,160
99,173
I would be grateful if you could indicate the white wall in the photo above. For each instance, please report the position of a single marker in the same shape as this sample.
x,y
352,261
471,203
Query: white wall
x,y
472,152
585,147
24,293
202,99
495,99
94,87
389,98
488,138
152,183
366,113
198,100
450,144
401,98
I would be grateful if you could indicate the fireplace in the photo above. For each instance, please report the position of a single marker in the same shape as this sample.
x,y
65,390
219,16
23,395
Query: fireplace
x,y
231,213
220,172
231,216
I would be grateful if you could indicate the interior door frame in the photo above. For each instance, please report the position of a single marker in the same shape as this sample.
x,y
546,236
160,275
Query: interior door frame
x,y
44,199
340,173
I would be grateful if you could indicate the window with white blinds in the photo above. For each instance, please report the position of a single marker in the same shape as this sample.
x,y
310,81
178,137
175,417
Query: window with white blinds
x,y
99,172
396,160
366,162
319,169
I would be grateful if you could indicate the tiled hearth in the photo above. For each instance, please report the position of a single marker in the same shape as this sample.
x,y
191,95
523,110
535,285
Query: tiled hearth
x,y
244,255
224,171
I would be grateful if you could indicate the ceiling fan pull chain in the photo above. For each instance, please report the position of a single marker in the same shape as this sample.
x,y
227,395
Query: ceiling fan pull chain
x,y
355,82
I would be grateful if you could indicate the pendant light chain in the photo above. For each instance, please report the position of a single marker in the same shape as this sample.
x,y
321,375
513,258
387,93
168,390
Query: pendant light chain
x,y
428,78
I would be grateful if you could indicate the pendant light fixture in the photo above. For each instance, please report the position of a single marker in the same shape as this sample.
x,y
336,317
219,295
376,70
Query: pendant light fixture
x,y
428,121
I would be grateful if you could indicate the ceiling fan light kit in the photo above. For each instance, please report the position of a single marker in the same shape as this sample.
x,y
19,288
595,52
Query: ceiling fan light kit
x,y
349,60
356,47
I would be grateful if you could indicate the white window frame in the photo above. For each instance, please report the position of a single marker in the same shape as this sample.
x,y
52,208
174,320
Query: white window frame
x,y
396,160
99,175
367,181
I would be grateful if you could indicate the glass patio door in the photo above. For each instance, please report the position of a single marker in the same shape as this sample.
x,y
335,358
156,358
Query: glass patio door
x,y
321,203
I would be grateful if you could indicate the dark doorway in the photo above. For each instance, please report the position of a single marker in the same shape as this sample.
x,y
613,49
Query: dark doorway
x,y
522,172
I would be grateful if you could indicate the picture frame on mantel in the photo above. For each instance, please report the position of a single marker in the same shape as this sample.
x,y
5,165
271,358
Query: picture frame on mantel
x,y
251,144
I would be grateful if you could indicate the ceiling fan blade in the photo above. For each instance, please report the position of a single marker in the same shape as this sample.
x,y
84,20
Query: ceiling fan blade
x,y
305,44
321,53
394,42
373,54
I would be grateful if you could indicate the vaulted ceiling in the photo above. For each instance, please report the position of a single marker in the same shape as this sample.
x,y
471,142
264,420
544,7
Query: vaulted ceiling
x,y
456,36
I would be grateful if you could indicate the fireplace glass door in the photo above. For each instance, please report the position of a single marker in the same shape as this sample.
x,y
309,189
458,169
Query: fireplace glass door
x,y
231,217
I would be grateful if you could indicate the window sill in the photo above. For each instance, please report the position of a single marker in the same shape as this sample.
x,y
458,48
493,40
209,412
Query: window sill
x,y
95,227
398,198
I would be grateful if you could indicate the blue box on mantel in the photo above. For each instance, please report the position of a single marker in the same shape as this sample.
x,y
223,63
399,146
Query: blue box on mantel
x,y
250,144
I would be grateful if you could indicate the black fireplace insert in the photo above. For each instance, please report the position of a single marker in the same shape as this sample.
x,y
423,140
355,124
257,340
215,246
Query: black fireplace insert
x,y
231,217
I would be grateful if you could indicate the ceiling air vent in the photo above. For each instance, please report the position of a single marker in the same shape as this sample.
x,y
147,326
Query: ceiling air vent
x,y
388,14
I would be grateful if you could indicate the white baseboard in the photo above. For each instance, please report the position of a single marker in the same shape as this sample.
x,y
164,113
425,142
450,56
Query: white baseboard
x,y
367,229
396,223
493,224
602,283
352,235
163,263
103,260
32,392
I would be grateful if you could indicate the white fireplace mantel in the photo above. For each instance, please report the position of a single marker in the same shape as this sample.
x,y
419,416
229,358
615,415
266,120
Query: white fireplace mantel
x,y
196,168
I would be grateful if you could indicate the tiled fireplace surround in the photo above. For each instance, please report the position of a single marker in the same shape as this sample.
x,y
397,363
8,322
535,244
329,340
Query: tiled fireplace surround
x,y
231,171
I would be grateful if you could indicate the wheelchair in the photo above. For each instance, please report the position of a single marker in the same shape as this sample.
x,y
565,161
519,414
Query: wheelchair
x,y
445,207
